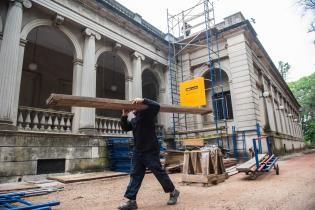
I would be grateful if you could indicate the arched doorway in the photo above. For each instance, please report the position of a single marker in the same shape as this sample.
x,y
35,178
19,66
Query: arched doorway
x,y
221,95
110,81
150,85
47,67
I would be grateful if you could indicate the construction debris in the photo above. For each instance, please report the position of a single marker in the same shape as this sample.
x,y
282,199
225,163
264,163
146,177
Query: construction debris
x,y
14,186
115,104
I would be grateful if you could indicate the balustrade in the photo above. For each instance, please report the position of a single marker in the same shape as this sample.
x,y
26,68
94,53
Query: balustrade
x,y
35,119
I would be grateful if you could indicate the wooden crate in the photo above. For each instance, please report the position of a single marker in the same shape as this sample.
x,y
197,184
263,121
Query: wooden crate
x,y
204,167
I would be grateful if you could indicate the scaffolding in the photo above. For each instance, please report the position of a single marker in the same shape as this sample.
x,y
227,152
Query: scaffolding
x,y
193,29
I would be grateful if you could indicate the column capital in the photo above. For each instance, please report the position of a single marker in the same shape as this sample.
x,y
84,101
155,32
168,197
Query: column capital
x,y
154,64
137,55
59,19
128,79
117,46
90,32
26,3
23,42
77,61
162,90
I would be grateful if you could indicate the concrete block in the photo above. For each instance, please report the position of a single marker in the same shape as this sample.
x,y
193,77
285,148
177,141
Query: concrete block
x,y
95,152
95,164
8,154
18,168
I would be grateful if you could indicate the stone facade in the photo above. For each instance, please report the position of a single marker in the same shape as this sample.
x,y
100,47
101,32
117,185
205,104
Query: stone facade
x,y
92,32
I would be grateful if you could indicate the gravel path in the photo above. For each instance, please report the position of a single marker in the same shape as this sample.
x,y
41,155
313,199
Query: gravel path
x,y
293,189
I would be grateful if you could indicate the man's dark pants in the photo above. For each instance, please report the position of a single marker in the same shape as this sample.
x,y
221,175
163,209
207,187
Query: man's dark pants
x,y
140,161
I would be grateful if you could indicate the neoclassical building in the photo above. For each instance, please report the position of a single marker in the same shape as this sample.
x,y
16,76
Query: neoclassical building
x,y
99,48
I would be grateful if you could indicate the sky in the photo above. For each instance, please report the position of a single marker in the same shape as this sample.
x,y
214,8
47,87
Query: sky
x,y
281,26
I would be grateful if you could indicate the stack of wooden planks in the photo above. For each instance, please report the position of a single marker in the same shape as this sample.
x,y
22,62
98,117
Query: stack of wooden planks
x,y
174,161
204,167
229,162
250,165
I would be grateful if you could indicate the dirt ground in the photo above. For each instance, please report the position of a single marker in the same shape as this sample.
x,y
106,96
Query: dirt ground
x,y
294,189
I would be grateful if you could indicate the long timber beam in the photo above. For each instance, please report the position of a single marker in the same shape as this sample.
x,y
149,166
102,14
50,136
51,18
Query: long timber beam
x,y
115,104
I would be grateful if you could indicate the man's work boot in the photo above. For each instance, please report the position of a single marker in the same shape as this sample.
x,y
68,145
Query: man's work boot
x,y
129,205
173,197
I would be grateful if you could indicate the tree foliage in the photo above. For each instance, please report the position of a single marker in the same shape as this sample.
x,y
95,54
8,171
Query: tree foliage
x,y
284,69
309,6
304,91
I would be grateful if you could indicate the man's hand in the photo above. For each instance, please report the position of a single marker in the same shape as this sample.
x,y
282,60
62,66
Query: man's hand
x,y
125,113
137,101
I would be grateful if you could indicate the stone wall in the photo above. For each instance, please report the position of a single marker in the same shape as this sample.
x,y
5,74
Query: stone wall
x,y
19,152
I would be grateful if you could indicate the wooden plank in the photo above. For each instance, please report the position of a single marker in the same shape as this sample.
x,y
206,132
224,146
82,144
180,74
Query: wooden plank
x,y
196,178
193,142
186,163
174,157
17,186
200,130
86,176
250,163
115,104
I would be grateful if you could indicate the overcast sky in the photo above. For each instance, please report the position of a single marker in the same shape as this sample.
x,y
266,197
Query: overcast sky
x,y
280,25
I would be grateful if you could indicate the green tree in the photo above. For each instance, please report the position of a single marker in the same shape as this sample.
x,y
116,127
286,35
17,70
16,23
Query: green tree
x,y
284,69
309,6
304,91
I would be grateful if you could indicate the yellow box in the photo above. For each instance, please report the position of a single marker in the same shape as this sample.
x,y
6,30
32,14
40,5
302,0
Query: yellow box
x,y
192,92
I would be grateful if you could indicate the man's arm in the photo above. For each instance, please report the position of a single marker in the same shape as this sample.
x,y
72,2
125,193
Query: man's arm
x,y
153,107
124,123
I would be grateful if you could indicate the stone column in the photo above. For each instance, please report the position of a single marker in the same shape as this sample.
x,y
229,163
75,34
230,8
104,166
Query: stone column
x,y
88,83
128,87
9,61
136,70
18,80
162,99
76,91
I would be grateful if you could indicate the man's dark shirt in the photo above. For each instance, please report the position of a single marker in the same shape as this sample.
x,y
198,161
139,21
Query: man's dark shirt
x,y
143,127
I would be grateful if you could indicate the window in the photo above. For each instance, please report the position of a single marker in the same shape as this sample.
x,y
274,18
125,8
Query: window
x,y
219,104
47,166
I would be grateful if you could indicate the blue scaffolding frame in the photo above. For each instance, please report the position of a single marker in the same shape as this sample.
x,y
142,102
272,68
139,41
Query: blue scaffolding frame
x,y
199,21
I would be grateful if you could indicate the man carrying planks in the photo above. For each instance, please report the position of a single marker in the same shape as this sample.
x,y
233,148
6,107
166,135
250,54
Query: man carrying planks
x,y
146,153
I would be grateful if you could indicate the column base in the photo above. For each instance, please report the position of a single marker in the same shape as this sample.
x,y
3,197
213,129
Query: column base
x,y
7,126
88,131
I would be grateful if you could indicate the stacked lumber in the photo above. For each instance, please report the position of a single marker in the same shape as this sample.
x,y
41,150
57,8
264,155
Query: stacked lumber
x,y
250,165
174,161
231,171
229,162
204,166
